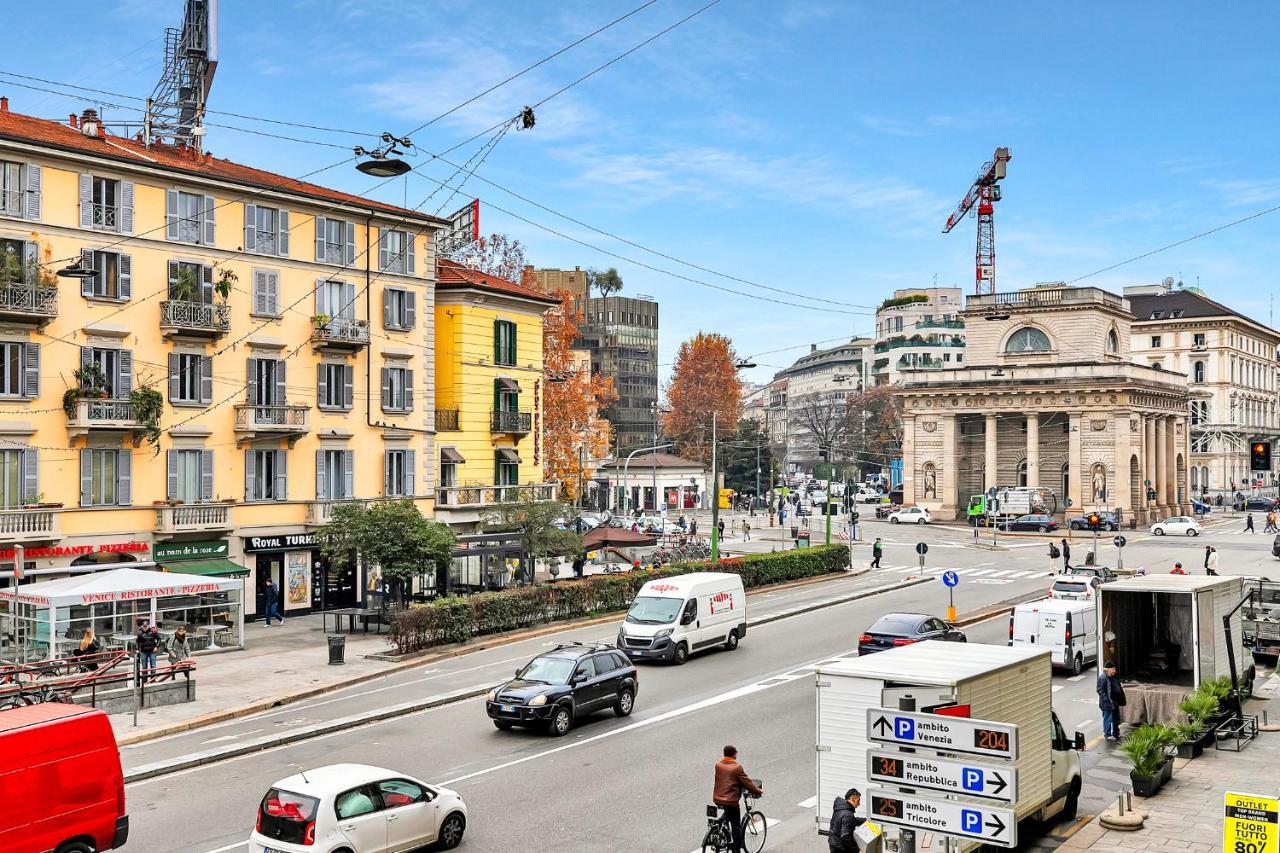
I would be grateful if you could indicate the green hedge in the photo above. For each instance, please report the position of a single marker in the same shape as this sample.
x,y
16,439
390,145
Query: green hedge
x,y
459,618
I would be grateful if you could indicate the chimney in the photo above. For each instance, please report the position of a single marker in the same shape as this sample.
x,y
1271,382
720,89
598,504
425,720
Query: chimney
x,y
813,347
89,124
4,104
71,120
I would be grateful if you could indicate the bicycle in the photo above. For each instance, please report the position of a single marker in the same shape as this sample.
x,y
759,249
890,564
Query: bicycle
x,y
34,696
719,836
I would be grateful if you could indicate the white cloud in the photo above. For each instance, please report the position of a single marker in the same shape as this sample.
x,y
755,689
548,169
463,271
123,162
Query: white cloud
x,y
1247,192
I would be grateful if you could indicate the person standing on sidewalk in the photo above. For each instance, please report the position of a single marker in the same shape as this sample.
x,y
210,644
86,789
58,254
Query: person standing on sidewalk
x,y
746,530
1110,700
720,528
148,643
1248,524
877,551
271,594
1066,556
1211,562
844,823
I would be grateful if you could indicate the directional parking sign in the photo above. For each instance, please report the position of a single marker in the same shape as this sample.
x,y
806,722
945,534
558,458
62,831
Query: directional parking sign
x,y
945,734
975,821
951,776
950,578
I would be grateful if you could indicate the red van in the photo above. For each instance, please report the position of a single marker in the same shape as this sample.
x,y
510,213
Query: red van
x,y
60,781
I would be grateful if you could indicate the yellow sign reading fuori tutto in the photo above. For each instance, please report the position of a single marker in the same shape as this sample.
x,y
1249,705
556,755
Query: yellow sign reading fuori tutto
x,y
1250,824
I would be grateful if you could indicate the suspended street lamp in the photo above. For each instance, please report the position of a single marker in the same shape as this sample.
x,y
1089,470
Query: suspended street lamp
x,y
381,163
76,270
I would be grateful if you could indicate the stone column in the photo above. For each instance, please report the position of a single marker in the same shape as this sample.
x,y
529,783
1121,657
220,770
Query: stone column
x,y
991,459
1078,485
1119,485
1161,479
1149,463
1170,424
908,460
1033,449
946,483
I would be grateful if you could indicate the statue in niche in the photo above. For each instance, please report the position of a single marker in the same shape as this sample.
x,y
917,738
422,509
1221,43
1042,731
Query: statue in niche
x,y
1099,480
930,481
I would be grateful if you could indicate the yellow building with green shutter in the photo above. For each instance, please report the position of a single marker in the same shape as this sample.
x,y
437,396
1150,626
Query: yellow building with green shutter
x,y
489,387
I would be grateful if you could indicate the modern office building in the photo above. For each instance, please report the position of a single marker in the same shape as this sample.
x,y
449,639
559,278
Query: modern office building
x,y
621,333
918,328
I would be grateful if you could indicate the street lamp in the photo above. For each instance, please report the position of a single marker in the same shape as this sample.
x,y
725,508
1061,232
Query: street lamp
x,y
381,164
76,270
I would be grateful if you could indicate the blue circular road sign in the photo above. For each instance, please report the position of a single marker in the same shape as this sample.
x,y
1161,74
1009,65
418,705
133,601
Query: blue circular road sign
x,y
950,578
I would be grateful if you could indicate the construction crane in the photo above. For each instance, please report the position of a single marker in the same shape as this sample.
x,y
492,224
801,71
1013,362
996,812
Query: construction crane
x,y
984,193
175,110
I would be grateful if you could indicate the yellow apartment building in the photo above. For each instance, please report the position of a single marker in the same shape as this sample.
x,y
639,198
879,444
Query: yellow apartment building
x,y
489,387
274,338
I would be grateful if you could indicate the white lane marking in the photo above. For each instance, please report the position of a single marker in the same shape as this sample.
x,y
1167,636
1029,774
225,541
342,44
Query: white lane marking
x,y
1000,573
1026,574
809,803
976,572
1079,677
235,846
1086,724
232,737
1058,687
993,580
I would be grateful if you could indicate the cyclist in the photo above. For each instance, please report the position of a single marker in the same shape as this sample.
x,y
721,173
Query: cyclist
x,y
840,838
731,780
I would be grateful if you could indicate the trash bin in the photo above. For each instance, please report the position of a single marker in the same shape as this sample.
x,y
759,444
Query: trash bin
x,y
795,531
802,541
337,650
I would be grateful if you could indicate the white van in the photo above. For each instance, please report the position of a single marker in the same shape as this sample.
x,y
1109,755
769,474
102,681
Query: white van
x,y
1067,628
673,617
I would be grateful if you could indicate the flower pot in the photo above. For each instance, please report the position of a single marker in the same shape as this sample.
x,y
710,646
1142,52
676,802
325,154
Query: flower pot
x,y
1145,786
1166,771
1190,748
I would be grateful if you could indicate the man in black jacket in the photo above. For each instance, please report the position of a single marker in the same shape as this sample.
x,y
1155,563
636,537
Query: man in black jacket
x,y
1111,699
148,643
843,823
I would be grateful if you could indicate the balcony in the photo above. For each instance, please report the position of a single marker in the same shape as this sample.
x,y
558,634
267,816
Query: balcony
x,y
940,324
511,423
1044,297
28,303
479,497
193,518
446,420
340,333
106,217
178,317
288,421
320,513
919,341
29,525
89,415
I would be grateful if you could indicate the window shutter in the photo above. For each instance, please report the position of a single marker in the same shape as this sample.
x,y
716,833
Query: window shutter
x,y
386,389
33,191
387,456
31,370
251,380
273,294
124,386
349,473
86,478
282,239
280,386
126,207
348,386
171,474
282,479
408,390
206,475
497,342
173,275
207,217
86,262
409,465
86,356
249,493
30,475
322,297
206,379
175,376
348,307
320,229
259,292
511,342
384,254
410,309
350,256
30,255
206,284
408,249
171,214
251,228
497,396
321,494
124,477
388,318
86,201
125,272
322,385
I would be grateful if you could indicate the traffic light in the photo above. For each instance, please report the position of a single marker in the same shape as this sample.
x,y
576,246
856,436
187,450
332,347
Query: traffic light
x,y
1095,521
1260,456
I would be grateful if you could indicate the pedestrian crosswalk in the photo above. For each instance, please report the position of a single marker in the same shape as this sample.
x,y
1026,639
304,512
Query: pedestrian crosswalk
x,y
975,572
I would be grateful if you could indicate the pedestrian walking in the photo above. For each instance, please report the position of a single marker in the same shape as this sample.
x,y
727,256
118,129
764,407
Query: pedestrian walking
x,y
1110,700
693,526
746,530
720,528
772,515
844,823
271,594
579,564
1066,556
877,551
179,646
1211,562
1054,554
1248,524
1271,522
782,516
148,641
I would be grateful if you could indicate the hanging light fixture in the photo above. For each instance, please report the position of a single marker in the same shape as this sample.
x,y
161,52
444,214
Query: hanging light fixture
x,y
75,270
381,162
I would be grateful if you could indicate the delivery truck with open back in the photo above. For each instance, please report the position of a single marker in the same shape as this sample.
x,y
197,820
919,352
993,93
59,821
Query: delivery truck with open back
x,y
1166,636
1007,686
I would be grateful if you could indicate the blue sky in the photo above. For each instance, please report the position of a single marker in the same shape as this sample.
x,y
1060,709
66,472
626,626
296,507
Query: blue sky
x,y
815,147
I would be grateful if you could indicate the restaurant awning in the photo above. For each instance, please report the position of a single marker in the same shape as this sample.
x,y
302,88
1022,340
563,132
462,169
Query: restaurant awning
x,y
506,454
448,454
505,384
617,537
216,566
115,585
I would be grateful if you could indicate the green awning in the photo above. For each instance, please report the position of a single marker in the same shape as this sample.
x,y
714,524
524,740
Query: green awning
x,y
213,566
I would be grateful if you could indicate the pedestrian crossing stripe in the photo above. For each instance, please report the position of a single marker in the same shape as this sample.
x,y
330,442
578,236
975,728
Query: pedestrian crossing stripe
x,y
1009,574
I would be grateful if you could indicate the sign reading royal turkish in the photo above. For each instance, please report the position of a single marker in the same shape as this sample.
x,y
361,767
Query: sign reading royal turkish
x,y
279,543
81,550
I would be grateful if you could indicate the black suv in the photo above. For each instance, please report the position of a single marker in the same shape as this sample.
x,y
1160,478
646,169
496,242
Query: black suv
x,y
1108,519
558,686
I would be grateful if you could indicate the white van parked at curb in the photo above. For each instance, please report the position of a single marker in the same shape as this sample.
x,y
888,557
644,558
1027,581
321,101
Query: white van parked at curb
x,y
671,618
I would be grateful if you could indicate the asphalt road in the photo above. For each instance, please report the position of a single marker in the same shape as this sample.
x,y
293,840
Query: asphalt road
x,y
637,784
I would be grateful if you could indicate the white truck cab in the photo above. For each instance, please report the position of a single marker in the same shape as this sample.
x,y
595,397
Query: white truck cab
x,y
671,618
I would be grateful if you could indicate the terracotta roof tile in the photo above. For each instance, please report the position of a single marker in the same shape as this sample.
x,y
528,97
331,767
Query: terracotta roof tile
x,y
451,274
22,128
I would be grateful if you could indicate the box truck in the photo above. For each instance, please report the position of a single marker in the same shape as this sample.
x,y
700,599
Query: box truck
x,y
1003,684
1068,629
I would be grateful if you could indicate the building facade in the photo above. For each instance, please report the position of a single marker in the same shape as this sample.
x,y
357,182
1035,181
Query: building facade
x,y
1050,397
488,393
288,368
918,328
816,388
1231,364
550,280
661,481
621,333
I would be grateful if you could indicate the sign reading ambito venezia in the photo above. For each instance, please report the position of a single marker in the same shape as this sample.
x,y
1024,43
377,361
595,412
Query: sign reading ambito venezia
x,y
80,550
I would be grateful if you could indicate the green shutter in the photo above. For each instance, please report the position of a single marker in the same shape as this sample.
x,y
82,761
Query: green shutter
x,y
497,342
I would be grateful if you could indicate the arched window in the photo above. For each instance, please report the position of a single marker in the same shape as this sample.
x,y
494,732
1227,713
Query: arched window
x,y
1113,342
1022,473
1028,339
1197,371
1066,479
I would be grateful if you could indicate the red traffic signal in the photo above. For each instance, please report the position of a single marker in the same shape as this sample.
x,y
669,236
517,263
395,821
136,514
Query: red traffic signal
x,y
1095,521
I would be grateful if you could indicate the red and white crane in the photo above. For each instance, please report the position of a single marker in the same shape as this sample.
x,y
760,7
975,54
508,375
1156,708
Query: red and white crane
x,y
981,198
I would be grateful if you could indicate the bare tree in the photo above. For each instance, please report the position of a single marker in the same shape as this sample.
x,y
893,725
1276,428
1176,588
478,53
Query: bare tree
x,y
823,419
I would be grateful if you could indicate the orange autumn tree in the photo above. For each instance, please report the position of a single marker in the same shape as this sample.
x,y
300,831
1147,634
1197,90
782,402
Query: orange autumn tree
x,y
703,381
575,432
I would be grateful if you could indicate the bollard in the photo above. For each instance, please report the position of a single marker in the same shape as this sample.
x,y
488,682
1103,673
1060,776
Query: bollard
x,y
1264,717
1120,803
1128,798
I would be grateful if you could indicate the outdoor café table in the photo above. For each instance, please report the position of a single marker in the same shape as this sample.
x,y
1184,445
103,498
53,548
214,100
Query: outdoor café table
x,y
212,631
352,613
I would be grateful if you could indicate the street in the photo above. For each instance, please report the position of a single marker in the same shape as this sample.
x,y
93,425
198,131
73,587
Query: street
x,y
639,783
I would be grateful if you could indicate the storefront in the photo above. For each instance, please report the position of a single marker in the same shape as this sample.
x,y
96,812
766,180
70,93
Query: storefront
x,y
71,557
485,561
306,580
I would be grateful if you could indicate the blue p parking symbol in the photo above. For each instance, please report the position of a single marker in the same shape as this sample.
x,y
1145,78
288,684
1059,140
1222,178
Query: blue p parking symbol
x,y
971,821
971,779
904,728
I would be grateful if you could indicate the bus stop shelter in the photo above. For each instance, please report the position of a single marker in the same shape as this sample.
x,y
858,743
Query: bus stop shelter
x,y
48,619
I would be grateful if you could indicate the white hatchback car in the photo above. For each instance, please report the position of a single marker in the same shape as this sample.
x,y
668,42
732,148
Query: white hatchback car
x,y
357,808
1178,525
910,515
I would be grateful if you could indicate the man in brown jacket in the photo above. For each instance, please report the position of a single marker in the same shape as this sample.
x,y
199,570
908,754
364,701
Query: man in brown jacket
x,y
731,779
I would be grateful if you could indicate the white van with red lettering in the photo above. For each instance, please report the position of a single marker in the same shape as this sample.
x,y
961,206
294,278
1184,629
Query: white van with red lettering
x,y
672,618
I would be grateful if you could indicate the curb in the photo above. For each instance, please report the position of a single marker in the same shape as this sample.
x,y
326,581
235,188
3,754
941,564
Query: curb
x,y
423,659
209,756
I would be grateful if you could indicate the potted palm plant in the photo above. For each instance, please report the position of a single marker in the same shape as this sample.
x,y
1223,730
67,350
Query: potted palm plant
x,y
1146,755
1199,706
1169,738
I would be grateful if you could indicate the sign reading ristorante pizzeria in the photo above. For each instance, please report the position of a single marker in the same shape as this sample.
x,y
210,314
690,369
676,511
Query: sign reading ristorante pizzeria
x,y
80,550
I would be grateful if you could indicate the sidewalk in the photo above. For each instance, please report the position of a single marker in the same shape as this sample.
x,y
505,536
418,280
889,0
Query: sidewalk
x,y
1187,814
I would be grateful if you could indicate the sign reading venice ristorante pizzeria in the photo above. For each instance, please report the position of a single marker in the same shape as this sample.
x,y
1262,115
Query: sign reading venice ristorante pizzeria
x,y
80,550
279,543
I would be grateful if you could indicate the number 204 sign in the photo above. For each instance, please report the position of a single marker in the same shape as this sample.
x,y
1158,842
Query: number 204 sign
x,y
1250,824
